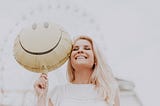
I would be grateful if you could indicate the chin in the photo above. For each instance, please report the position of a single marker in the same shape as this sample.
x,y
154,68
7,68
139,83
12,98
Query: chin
x,y
82,63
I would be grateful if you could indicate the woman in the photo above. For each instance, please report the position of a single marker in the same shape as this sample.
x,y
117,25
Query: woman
x,y
91,83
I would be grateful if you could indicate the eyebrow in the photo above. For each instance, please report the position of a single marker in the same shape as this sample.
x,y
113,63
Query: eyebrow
x,y
84,46
75,46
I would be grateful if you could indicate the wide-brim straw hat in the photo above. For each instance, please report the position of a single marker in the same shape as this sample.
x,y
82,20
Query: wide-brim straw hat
x,y
42,47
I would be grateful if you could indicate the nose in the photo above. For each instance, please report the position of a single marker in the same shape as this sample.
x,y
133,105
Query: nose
x,y
80,51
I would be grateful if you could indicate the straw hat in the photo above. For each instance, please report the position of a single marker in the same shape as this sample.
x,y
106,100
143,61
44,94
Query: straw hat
x,y
42,47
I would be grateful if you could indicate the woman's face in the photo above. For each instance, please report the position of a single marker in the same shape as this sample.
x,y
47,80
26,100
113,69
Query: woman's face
x,y
82,54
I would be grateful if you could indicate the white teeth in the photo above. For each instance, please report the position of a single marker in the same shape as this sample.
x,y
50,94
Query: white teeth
x,y
80,57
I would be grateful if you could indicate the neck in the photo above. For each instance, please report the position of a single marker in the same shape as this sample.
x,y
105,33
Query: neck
x,y
82,76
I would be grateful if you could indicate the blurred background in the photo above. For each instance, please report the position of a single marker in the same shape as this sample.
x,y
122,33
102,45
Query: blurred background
x,y
127,32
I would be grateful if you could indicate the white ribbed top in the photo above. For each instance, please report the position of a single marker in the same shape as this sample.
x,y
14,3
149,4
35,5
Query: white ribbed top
x,y
76,95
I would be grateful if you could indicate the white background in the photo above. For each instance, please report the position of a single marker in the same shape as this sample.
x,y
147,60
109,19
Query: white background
x,y
130,32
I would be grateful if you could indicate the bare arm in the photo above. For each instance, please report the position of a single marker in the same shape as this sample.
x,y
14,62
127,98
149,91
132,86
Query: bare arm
x,y
41,89
116,100
42,102
50,103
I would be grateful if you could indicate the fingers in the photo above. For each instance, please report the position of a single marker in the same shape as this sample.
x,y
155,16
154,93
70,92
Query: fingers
x,y
44,76
42,82
41,85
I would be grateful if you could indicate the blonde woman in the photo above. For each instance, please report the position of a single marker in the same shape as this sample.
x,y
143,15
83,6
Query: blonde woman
x,y
91,82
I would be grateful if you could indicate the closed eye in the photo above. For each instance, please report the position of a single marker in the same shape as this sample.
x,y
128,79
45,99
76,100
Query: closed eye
x,y
75,49
87,48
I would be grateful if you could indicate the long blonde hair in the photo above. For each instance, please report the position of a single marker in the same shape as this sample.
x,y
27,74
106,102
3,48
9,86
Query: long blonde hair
x,y
102,76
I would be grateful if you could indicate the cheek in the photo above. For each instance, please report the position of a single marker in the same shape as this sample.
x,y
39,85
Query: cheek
x,y
91,60
92,55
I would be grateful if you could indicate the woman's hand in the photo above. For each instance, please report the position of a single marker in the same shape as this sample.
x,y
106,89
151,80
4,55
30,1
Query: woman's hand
x,y
41,85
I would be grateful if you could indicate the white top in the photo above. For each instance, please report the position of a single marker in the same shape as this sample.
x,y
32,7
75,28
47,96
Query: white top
x,y
77,95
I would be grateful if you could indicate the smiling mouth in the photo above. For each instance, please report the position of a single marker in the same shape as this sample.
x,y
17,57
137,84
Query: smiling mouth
x,y
81,57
